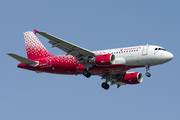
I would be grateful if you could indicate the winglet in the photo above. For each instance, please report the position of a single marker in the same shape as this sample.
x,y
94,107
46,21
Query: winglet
x,y
35,31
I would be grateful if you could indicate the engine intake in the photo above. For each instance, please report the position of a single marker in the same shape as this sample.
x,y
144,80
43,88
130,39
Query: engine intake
x,y
133,78
105,60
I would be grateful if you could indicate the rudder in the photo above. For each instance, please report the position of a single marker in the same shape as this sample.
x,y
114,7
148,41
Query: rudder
x,y
35,49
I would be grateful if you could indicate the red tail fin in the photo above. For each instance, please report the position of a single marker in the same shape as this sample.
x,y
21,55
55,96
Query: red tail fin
x,y
34,47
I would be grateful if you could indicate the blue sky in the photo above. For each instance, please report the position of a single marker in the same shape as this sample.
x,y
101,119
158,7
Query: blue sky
x,y
94,25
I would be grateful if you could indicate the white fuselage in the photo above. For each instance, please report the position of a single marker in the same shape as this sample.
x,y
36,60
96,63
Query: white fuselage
x,y
139,55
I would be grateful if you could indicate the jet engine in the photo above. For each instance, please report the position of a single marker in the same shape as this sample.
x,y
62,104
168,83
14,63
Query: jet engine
x,y
133,78
105,60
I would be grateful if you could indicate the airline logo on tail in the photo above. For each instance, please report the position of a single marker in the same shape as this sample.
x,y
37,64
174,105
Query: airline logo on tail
x,y
34,47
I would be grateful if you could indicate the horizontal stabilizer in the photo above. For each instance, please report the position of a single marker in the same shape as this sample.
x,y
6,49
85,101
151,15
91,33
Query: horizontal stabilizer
x,y
23,60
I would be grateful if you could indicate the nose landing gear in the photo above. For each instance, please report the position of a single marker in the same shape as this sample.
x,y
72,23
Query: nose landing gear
x,y
148,74
147,71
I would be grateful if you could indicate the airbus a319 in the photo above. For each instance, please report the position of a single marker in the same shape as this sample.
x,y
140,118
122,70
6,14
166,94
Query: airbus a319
x,y
111,64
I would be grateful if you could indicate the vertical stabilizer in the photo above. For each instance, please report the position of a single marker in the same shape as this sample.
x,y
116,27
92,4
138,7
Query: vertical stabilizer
x,y
34,47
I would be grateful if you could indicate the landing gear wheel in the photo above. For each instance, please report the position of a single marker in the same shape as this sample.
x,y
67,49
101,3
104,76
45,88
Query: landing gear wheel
x,y
148,74
87,73
147,71
105,85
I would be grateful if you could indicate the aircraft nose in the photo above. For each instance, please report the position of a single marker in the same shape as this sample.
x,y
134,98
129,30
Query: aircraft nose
x,y
169,56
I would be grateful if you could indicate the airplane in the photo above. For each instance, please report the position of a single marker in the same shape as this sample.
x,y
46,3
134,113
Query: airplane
x,y
111,64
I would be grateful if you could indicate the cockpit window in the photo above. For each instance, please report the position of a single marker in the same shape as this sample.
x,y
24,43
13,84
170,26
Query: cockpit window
x,y
159,49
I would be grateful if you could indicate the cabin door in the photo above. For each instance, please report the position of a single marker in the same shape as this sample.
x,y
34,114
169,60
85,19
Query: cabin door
x,y
145,50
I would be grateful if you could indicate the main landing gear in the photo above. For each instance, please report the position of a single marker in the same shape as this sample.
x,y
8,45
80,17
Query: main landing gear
x,y
105,85
147,71
87,73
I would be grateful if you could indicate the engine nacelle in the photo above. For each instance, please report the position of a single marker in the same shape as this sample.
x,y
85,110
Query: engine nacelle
x,y
105,60
133,78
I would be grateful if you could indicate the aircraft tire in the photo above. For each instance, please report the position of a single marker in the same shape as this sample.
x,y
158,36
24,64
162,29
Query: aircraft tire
x,y
105,85
87,73
148,74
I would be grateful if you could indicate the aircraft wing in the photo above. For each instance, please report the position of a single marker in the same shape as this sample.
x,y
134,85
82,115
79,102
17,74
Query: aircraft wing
x,y
67,47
